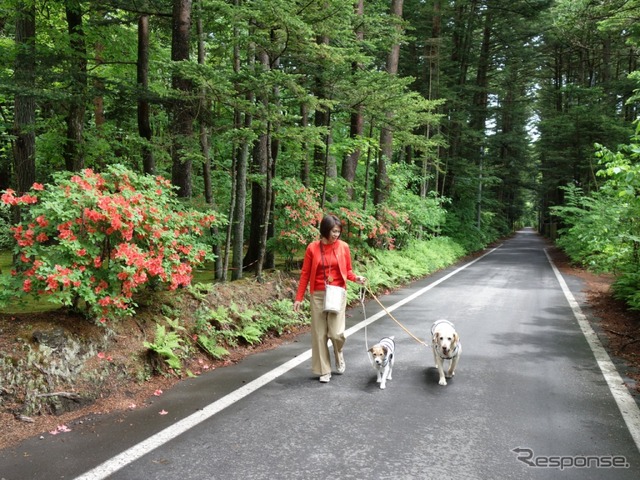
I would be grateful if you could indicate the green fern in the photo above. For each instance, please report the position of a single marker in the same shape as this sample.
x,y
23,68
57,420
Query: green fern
x,y
210,345
250,334
165,345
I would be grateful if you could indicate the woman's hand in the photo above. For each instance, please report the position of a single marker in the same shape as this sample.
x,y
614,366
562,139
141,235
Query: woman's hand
x,y
361,280
296,306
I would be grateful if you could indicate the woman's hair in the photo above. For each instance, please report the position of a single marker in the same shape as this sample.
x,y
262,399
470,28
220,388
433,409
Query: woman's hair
x,y
328,223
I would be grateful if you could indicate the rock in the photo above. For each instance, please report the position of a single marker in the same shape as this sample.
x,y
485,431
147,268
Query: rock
x,y
54,339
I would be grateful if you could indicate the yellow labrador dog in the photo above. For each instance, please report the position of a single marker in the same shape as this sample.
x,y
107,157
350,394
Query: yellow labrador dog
x,y
446,346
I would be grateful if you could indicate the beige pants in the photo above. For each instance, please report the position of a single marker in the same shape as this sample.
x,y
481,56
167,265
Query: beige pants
x,y
325,326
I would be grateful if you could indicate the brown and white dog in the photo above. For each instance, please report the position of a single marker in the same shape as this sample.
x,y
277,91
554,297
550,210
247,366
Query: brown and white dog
x,y
383,355
446,346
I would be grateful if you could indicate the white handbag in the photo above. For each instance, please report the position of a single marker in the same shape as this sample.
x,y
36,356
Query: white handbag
x,y
333,298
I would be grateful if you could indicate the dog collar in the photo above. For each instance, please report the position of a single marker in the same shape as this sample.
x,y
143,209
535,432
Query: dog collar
x,y
453,353
387,359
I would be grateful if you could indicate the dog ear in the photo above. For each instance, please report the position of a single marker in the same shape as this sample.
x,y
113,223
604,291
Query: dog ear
x,y
435,337
455,338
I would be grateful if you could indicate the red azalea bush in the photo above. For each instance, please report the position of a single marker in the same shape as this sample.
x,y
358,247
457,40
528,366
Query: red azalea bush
x,y
92,240
297,218
361,229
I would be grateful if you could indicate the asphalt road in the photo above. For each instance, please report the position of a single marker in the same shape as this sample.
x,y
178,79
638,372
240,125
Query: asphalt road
x,y
534,397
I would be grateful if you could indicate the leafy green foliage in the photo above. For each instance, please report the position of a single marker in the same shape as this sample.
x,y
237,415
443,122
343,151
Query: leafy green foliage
x,y
216,329
419,258
6,240
601,230
206,331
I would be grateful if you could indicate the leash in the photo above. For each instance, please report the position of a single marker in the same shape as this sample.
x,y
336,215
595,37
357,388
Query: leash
x,y
362,297
395,320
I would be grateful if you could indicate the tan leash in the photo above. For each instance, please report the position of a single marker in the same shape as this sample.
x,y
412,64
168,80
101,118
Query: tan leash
x,y
362,296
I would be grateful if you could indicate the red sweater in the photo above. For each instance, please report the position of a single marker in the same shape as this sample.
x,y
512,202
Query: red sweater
x,y
312,274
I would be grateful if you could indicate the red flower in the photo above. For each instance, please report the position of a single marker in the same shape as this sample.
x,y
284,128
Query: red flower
x,y
103,302
28,199
41,221
93,215
52,282
9,197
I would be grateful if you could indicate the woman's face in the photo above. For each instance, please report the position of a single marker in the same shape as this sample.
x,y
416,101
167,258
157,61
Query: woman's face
x,y
334,234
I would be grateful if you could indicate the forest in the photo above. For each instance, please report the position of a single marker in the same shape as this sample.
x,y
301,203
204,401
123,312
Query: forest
x,y
158,134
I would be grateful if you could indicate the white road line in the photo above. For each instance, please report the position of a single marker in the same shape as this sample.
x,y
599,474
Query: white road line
x,y
128,456
137,451
627,405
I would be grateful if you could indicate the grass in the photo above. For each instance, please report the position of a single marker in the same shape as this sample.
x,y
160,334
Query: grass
x,y
28,305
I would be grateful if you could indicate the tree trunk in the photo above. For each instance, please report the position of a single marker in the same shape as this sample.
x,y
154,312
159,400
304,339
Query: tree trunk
x,y
24,145
258,200
144,123
274,149
98,105
322,119
264,233
98,87
432,81
381,181
204,111
465,13
182,112
260,192
242,161
479,110
241,167
327,167
305,168
73,152
356,123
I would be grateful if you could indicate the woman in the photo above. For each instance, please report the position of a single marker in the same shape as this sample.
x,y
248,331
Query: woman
x,y
326,261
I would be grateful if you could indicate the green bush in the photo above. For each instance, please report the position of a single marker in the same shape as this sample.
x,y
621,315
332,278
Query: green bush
x,y
388,269
601,230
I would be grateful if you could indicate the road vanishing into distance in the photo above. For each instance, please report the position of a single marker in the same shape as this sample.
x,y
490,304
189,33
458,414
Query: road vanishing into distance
x,y
535,397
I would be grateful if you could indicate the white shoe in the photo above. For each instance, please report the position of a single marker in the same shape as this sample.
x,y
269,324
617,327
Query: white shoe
x,y
325,378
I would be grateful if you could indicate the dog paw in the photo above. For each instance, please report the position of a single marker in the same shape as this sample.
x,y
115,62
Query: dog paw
x,y
442,381
382,386
450,375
